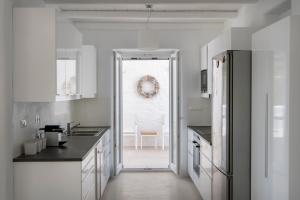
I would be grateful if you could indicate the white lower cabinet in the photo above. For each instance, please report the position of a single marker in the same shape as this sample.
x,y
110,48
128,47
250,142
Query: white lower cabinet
x,y
103,164
204,185
65,180
88,177
203,180
190,153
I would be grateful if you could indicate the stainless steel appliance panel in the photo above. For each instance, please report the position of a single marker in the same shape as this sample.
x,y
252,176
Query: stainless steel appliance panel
x,y
220,130
221,186
196,156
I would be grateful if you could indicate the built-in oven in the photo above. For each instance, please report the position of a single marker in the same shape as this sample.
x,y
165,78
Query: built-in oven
x,y
196,155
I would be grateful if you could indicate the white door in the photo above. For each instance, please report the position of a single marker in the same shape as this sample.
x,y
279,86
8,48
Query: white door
x,y
174,112
117,113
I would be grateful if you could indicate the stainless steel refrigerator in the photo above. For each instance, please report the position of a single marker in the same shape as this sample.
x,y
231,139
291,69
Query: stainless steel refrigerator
x,y
231,134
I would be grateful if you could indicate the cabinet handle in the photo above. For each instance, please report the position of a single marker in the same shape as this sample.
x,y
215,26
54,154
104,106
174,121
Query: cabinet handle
x,y
267,137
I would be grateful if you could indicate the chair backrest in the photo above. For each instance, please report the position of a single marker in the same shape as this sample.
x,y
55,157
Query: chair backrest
x,y
149,123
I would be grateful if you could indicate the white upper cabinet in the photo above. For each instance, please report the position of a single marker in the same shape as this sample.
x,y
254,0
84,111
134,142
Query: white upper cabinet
x,y
230,39
276,111
34,54
47,55
88,72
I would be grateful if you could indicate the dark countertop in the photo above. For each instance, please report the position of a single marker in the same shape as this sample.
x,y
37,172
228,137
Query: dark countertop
x,y
203,131
76,149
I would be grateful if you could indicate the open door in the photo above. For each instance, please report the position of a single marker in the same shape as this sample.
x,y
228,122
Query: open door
x,y
117,113
174,112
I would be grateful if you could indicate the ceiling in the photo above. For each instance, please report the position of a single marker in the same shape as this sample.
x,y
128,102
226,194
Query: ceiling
x,y
161,11
151,1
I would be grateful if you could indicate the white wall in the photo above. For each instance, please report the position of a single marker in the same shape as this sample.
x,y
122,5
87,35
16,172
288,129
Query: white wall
x,y
5,100
261,14
188,38
296,7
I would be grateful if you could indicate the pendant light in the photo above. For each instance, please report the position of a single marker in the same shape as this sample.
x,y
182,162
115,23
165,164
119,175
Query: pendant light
x,y
147,38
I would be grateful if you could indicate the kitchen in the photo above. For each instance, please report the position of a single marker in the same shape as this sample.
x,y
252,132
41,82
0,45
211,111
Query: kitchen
x,y
199,39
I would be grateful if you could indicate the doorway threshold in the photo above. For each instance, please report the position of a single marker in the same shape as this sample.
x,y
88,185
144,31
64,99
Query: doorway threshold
x,y
146,170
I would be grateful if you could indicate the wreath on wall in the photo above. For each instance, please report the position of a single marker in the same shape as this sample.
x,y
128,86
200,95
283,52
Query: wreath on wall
x,y
148,86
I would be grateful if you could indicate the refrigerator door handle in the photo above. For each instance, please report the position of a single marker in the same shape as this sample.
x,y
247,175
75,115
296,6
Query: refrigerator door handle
x,y
267,137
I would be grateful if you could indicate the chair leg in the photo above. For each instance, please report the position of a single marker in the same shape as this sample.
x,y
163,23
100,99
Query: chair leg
x,y
135,142
141,142
163,142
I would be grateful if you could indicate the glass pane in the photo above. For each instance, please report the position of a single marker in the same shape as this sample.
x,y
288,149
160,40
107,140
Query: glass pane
x,y
71,77
61,77
66,77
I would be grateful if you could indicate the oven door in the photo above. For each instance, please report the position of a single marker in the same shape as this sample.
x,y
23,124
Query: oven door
x,y
196,158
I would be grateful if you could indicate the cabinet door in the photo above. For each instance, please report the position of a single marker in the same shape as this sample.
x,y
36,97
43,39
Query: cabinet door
x,y
260,141
98,170
89,177
204,185
67,70
190,165
270,140
34,54
190,140
102,178
88,72
190,153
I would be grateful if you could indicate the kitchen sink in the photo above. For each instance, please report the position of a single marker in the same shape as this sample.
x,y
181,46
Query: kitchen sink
x,y
87,131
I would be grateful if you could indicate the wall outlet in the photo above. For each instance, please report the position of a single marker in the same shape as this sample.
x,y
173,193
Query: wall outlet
x,y
23,123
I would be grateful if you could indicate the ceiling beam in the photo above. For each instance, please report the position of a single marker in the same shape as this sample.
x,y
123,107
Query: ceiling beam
x,y
156,16
152,1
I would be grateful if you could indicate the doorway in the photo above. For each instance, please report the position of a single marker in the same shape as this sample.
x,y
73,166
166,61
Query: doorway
x,y
145,103
146,110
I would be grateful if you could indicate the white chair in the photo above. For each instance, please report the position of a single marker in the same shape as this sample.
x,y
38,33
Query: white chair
x,y
154,134
132,133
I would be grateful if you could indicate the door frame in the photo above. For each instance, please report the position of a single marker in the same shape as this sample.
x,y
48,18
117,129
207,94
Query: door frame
x,y
126,54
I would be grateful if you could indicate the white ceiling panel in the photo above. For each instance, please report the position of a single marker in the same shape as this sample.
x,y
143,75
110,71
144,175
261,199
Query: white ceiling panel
x,y
151,1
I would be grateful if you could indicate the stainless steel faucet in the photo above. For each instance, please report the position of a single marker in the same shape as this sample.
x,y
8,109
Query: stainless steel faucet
x,y
70,126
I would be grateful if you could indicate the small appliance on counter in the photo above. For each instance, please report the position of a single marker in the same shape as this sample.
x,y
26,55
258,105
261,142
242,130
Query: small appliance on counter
x,y
55,135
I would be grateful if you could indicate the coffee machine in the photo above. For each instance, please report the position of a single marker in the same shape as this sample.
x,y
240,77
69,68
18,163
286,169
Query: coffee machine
x,y
55,135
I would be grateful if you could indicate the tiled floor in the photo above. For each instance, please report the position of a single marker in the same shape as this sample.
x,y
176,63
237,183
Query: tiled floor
x,y
148,157
150,186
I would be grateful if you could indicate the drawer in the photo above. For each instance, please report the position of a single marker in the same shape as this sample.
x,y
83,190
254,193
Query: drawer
x,y
190,148
88,183
206,164
204,185
206,149
190,166
190,135
88,158
87,170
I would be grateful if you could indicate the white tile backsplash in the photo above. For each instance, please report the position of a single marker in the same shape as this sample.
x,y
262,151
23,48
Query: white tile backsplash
x,y
50,113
